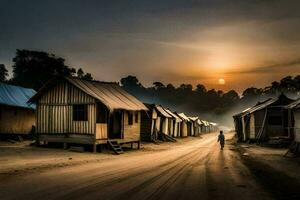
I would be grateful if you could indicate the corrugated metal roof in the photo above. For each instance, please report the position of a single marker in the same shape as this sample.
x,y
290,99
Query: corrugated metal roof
x,y
262,105
213,124
205,123
173,115
161,110
193,118
258,106
183,116
110,94
16,96
199,122
295,104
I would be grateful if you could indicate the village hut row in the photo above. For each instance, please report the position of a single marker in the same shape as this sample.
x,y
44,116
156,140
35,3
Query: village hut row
x,y
17,117
159,121
70,110
274,118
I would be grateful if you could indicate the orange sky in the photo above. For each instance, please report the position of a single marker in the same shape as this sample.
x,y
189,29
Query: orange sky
x,y
247,43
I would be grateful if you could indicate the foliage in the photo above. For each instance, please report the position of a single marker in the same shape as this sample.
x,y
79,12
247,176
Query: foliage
x,y
200,100
32,68
3,73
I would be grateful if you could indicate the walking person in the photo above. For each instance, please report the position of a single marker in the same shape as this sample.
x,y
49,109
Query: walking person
x,y
221,139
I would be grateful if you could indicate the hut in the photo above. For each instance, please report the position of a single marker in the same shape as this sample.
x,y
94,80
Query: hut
x,y
264,121
184,124
164,120
16,116
200,124
213,126
72,110
294,121
150,124
195,126
176,122
239,121
205,127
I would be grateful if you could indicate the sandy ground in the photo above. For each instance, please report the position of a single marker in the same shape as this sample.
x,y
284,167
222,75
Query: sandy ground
x,y
190,169
275,158
279,175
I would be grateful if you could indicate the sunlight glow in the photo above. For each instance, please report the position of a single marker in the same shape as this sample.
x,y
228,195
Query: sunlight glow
x,y
221,81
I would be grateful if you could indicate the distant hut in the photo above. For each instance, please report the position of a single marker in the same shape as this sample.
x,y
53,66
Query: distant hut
x,y
175,124
294,122
72,110
164,120
195,126
200,124
213,126
150,124
184,124
266,120
205,127
16,116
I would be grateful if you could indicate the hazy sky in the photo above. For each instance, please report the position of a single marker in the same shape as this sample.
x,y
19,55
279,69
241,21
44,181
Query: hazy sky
x,y
245,42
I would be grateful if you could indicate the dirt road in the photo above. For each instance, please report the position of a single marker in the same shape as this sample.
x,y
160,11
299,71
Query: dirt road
x,y
198,170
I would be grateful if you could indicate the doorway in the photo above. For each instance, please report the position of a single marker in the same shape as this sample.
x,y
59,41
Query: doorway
x,y
115,125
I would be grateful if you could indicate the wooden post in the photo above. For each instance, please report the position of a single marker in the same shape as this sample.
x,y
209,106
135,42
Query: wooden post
x,y
37,142
65,145
289,122
139,144
95,148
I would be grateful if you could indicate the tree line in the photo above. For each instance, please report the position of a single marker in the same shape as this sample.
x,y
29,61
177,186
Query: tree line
x,y
32,68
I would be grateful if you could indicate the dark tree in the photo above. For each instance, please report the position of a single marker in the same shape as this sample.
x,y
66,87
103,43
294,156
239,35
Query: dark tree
x,y
88,77
231,95
186,87
287,84
252,92
170,87
3,73
130,81
201,89
297,82
158,85
85,76
33,68
80,73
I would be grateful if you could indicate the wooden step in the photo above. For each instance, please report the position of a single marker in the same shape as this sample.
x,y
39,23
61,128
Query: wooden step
x,y
115,147
165,137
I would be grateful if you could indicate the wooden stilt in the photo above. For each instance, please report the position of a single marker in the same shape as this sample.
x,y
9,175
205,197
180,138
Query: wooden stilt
x,y
95,148
65,145
139,144
37,142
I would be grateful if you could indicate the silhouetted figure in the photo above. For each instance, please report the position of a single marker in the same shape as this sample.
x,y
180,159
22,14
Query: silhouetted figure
x,y
221,139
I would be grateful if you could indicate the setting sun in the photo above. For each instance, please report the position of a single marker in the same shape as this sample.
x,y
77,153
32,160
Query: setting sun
x,y
221,81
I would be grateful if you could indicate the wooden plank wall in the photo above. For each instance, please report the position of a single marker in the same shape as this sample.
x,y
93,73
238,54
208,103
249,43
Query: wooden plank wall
x,y
252,126
132,132
14,120
55,111
184,129
146,126
297,125
101,131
